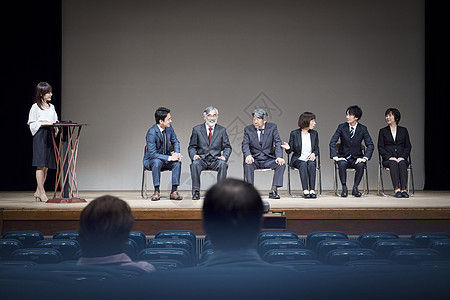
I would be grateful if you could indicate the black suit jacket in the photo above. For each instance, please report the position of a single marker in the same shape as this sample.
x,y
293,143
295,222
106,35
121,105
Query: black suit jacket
x,y
295,142
351,146
199,143
387,147
271,143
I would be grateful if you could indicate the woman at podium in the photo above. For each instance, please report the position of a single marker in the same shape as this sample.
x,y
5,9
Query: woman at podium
x,y
42,113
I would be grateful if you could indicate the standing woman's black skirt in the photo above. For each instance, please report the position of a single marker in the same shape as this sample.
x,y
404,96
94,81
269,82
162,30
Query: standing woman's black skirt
x,y
43,153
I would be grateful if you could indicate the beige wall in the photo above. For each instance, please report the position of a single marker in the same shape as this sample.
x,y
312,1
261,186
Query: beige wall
x,y
123,59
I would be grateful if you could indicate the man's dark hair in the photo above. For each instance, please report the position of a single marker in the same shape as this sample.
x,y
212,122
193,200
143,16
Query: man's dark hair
x,y
232,215
161,114
395,112
105,225
355,110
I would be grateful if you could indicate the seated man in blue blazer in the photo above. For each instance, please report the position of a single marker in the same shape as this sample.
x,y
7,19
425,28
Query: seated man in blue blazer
x,y
158,156
261,147
350,155
209,149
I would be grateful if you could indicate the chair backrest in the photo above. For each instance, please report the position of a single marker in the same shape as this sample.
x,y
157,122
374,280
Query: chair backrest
x,y
275,255
423,239
205,254
66,235
313,238
368,239
414,256
325,246
179,234
266,235
131,249
270,244
165,264
140,239
384,247
442,246
369,263
69,249
179,254
27,237
341,256
38,255
8,246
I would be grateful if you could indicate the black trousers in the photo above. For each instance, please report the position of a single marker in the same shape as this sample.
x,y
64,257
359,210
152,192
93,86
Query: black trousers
x,y
307,170
399,172
351,163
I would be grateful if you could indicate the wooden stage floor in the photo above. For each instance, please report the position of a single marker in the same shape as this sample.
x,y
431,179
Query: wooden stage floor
x,y
424,212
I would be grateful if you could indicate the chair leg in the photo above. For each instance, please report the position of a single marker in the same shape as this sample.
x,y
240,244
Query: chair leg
x,y
411,181
367,180
144,194
335,180
289,180
319,174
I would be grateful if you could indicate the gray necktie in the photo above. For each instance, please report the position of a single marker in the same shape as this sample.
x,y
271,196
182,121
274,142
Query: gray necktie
x,y
352,132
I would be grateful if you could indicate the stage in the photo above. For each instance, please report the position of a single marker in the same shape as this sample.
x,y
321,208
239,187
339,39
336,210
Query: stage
x,y
424,212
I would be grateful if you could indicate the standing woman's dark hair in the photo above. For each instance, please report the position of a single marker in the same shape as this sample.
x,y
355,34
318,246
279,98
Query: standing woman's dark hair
x,y
42,113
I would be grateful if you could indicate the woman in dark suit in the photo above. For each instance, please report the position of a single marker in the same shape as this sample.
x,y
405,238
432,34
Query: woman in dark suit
x,y
394,147
304,142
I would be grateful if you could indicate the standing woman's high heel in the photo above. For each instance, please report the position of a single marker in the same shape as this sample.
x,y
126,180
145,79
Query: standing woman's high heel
x,y
37,196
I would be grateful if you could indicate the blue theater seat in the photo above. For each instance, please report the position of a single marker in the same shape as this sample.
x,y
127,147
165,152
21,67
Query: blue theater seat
x,y
165,264
338,257
179,234
368,239
423,239
313,238
140,239
38,255
8,246
69,249
266,235
414,256
205,254
325,246
179,254
270,244
369,263
442,246
66,235
27,237
384,247
131,249
288,255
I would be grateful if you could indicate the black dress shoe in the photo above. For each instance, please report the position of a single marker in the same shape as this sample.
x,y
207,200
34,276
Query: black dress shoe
x,y
274,195
405,194
312,195
344,191
196,195
398,194
306,196
356,193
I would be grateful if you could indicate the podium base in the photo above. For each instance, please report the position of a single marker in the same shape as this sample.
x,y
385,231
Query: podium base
x,y
66,200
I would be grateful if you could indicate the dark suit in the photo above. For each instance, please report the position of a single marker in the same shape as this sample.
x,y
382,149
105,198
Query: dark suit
x,y
209,153
156,160
307,169
350,149
264,152
401,147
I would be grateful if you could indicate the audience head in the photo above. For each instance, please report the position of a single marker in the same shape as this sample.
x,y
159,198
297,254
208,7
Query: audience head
x,y
232,215
162,116
395,113
355,111
304,121
105,225
41,89
211,114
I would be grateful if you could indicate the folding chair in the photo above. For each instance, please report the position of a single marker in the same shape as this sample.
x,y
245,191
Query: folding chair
x,y
380,177
27,237
70,249
341,256
313,238
144,193
318,176
368,239
365,178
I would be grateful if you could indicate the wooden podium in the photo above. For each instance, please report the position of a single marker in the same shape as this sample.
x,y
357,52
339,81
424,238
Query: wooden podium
x,y
66,162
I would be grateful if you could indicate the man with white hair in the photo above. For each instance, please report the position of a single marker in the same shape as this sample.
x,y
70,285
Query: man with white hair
x,y
261,147
209,149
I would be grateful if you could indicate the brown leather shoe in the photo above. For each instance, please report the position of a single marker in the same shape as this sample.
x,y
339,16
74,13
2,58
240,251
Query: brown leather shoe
x,y
155,196
175,196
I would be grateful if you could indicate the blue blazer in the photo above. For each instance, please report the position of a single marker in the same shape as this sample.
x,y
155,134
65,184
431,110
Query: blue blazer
x,y
271,143
155,147
295,142
351,146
